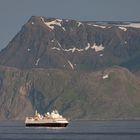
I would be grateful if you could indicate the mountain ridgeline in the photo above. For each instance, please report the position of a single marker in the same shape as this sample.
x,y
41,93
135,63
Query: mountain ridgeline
x,y
86,70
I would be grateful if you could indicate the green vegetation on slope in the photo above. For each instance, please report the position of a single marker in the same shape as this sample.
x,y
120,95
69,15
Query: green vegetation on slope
x,y
77,95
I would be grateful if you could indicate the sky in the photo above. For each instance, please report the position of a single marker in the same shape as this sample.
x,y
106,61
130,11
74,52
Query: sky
x,y
15,13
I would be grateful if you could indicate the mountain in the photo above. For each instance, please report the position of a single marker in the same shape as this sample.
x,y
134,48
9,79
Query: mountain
x,y
77,95
68,44
86,70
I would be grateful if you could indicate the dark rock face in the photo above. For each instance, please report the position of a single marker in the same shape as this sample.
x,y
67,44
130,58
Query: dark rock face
x,y
69,65
69,44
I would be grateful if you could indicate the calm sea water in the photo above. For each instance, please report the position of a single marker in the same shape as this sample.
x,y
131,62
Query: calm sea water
x,y
76,130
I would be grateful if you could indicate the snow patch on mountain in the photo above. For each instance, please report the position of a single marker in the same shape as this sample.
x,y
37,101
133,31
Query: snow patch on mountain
x,y
79,23
73,50
95,25
52,40
71,64
125,42
133,25
101,55
37,61
94,46
97,48
105,76
88,46
64,28
122,28
55,48
28,49
101,26
51,24
59,44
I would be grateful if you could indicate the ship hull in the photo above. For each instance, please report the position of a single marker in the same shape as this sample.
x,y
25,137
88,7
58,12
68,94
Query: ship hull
x,y
46,124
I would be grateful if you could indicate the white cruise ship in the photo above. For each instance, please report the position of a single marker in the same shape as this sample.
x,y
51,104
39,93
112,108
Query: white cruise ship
x,y
53,119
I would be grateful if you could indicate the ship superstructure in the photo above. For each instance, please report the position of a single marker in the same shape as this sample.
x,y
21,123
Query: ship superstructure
x,y
53,119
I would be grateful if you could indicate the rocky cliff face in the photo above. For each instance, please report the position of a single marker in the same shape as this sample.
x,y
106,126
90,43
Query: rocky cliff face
x,y
71,66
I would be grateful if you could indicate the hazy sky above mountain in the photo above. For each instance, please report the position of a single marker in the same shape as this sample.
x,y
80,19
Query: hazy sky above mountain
x,y
15,13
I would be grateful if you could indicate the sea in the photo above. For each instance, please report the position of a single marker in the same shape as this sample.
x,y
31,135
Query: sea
x,y
76,130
